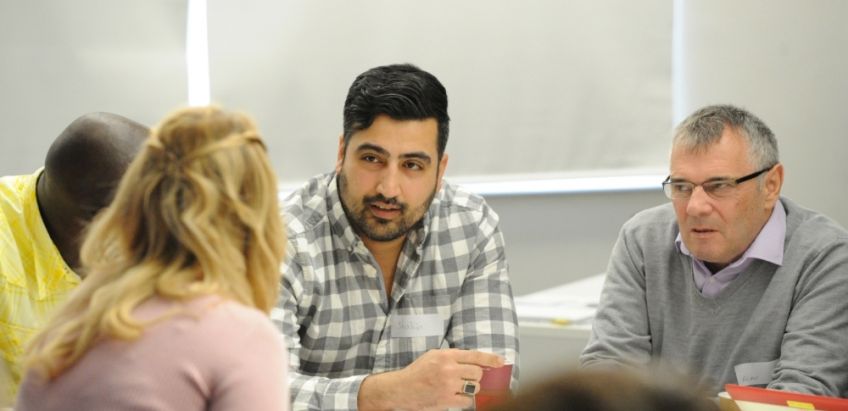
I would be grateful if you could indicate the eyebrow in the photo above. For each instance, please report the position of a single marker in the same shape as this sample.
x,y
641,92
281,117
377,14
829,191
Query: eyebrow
x,y
420,155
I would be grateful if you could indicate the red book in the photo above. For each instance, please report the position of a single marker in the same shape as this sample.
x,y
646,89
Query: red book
x,y
786,398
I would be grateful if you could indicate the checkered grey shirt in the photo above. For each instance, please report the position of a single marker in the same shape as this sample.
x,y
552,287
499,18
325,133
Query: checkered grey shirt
x,y
333,308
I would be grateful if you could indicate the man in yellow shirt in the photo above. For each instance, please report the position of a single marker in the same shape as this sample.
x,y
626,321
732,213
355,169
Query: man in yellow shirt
x,y
42,221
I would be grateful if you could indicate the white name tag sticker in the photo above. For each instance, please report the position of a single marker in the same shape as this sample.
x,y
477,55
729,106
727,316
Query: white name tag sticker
x,y
417,325
754,373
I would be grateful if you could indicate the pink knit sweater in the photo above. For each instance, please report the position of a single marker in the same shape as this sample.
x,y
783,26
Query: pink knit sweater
x,y
214,355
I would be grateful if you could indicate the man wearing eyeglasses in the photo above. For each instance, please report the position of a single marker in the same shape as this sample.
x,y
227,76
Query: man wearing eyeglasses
x,y
730,282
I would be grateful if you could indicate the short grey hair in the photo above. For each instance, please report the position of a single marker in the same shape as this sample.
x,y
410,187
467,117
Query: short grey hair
x,y
704,127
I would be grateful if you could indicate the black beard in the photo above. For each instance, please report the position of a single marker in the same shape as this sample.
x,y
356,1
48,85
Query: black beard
x,y
358,219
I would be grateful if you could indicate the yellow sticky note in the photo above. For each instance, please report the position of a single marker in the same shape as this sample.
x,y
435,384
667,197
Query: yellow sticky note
x,y
801,405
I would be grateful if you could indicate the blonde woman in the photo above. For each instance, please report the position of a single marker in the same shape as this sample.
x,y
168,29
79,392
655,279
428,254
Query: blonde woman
x,y
182,269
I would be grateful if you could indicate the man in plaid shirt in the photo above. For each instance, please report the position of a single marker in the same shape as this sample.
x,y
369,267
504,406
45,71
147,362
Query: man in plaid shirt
x,y
395,288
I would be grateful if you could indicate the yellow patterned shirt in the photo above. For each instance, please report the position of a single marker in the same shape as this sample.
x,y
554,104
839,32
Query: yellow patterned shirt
x,y
34,278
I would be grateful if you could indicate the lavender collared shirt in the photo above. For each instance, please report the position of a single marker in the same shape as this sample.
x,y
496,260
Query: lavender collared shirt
x,y
768,246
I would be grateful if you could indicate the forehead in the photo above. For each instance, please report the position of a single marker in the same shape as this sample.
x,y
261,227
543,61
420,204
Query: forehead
x,y
398,136
726,158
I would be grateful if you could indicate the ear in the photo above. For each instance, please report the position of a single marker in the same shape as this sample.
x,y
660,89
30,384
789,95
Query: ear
x,y
773,184
341,154
443,165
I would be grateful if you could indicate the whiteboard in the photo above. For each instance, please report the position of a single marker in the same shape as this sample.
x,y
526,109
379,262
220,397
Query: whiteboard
x,y
535,87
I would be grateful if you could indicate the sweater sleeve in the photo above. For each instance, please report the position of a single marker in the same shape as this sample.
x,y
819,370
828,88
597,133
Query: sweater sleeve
x,y
620,333
814,353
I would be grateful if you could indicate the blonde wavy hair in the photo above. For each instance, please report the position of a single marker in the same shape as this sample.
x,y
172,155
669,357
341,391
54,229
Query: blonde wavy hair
x,y
196,213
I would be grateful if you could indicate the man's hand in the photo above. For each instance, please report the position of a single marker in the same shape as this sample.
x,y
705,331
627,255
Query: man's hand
x,y
434,380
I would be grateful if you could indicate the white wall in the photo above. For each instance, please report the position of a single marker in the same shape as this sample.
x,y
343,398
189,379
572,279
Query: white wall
x,y
553,239
63,59
786,61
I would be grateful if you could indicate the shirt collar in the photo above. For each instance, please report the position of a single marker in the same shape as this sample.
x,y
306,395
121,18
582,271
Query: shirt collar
x,y
36,226
767,246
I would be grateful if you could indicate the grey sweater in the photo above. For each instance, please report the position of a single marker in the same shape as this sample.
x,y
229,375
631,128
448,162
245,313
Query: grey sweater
x,y
795,314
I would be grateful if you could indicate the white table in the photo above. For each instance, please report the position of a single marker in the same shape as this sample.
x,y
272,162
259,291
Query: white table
x,y
554,326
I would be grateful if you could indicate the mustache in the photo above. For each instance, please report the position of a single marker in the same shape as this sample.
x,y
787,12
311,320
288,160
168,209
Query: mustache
x,y
368,200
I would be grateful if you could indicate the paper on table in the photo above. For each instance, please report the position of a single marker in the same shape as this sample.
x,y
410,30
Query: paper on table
x,y
556,312
728,404
758,406
571,302
587,290
787,400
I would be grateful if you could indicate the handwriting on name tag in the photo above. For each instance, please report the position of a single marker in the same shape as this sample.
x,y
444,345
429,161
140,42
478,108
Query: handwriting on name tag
x,y
755,373
417,325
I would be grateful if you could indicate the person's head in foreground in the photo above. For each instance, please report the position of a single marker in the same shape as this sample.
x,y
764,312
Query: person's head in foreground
x,y
725,178
195,214
611,390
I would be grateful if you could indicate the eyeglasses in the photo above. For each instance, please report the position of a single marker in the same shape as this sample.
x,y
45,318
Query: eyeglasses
x,y
719,188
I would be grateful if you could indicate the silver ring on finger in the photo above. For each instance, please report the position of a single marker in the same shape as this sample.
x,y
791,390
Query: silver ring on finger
x,y
469,388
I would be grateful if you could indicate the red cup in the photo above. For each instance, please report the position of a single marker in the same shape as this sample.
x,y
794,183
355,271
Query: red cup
x,y
494,387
